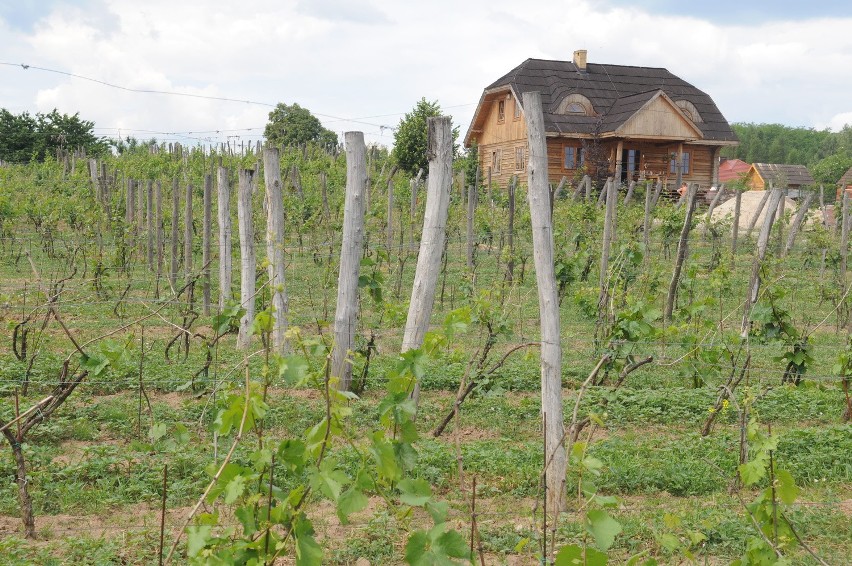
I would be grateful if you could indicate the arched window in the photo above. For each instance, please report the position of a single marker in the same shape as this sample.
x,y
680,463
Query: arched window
x,y
690,110
576,104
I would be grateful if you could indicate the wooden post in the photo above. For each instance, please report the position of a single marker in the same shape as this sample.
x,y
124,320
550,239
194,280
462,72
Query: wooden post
x,y
797,221
471,211
708,217
608,231
682,248
735,229
346,314
629,196
822,206
753,220
844,238
130,212
646,220
159,200
510,273
223,206
389,230
658,190
555,464
206,232
762,245
187,233
175,215
619,150
588,182
275,246
440,152
149,223
326,210
248,263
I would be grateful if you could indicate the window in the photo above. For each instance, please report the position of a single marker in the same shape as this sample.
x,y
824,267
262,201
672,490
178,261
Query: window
x,y
684,168
573,157
570,161
519,159
575,108
517,109
501,110
576,103
495,161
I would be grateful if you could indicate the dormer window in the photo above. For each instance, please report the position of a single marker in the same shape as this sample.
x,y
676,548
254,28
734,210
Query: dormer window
x,y
690,110
576,104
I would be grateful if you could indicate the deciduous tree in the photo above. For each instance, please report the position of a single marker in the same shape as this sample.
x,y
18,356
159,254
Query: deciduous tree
x,y
290,124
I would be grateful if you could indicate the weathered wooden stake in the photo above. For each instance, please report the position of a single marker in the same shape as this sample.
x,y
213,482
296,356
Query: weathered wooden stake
x,y
352,249
735,229
797,221
753,220
762,245
248,262
187,233
389,229
275,246
223,205
175,216
440,152
682,250
159,221
548,300
149,223
471,212
206,233
608,232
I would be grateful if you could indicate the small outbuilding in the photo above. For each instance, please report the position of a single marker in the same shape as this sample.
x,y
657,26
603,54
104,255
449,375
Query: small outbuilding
x,y
845,183
793,177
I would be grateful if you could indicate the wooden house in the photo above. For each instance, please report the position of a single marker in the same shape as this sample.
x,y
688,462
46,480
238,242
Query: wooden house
x,y
792,177
633,123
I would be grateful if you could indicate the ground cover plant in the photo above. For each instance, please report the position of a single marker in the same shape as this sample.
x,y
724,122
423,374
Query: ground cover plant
x,y
137,430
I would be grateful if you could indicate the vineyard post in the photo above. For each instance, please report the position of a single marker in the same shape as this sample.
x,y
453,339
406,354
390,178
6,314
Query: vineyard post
x,y
440,153
510,267
159,200
149,223
844,238
346,314
629,196
682,247
762,244
389,229
326,210
753,220
735,229
275,245
608,231
248,262
140,209
708,217
797,221
779,216
548,300
658,190
187,233
646,221
130,211
471,211
175,214
223,206
822,206
205,242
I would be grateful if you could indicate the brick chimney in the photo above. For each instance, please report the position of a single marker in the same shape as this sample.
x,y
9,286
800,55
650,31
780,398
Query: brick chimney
x,y
580,60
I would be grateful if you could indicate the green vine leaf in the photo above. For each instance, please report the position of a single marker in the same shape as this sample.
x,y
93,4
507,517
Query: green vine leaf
x,y
602,527
574,555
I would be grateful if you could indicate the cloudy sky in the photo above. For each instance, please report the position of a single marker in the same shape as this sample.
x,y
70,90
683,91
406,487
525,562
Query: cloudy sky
x,y
361,64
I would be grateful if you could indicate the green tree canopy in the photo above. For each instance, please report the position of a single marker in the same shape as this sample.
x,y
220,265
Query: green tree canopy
x,y
25,138
290,124
410,136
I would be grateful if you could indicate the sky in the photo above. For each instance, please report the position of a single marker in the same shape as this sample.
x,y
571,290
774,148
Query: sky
x,y
361,64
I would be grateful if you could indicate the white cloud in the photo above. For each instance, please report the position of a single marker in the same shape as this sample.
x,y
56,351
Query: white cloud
x,y
372,58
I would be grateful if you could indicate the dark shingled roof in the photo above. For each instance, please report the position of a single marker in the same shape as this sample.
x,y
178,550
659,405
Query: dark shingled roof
x,y
615,91
846,179
793,175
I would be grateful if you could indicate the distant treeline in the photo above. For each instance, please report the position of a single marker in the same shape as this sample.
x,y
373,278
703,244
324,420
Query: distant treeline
x,y
25,138
827,154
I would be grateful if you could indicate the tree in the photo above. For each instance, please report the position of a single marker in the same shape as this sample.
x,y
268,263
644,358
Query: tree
x,y
24,138
830,169
293,125
410,137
